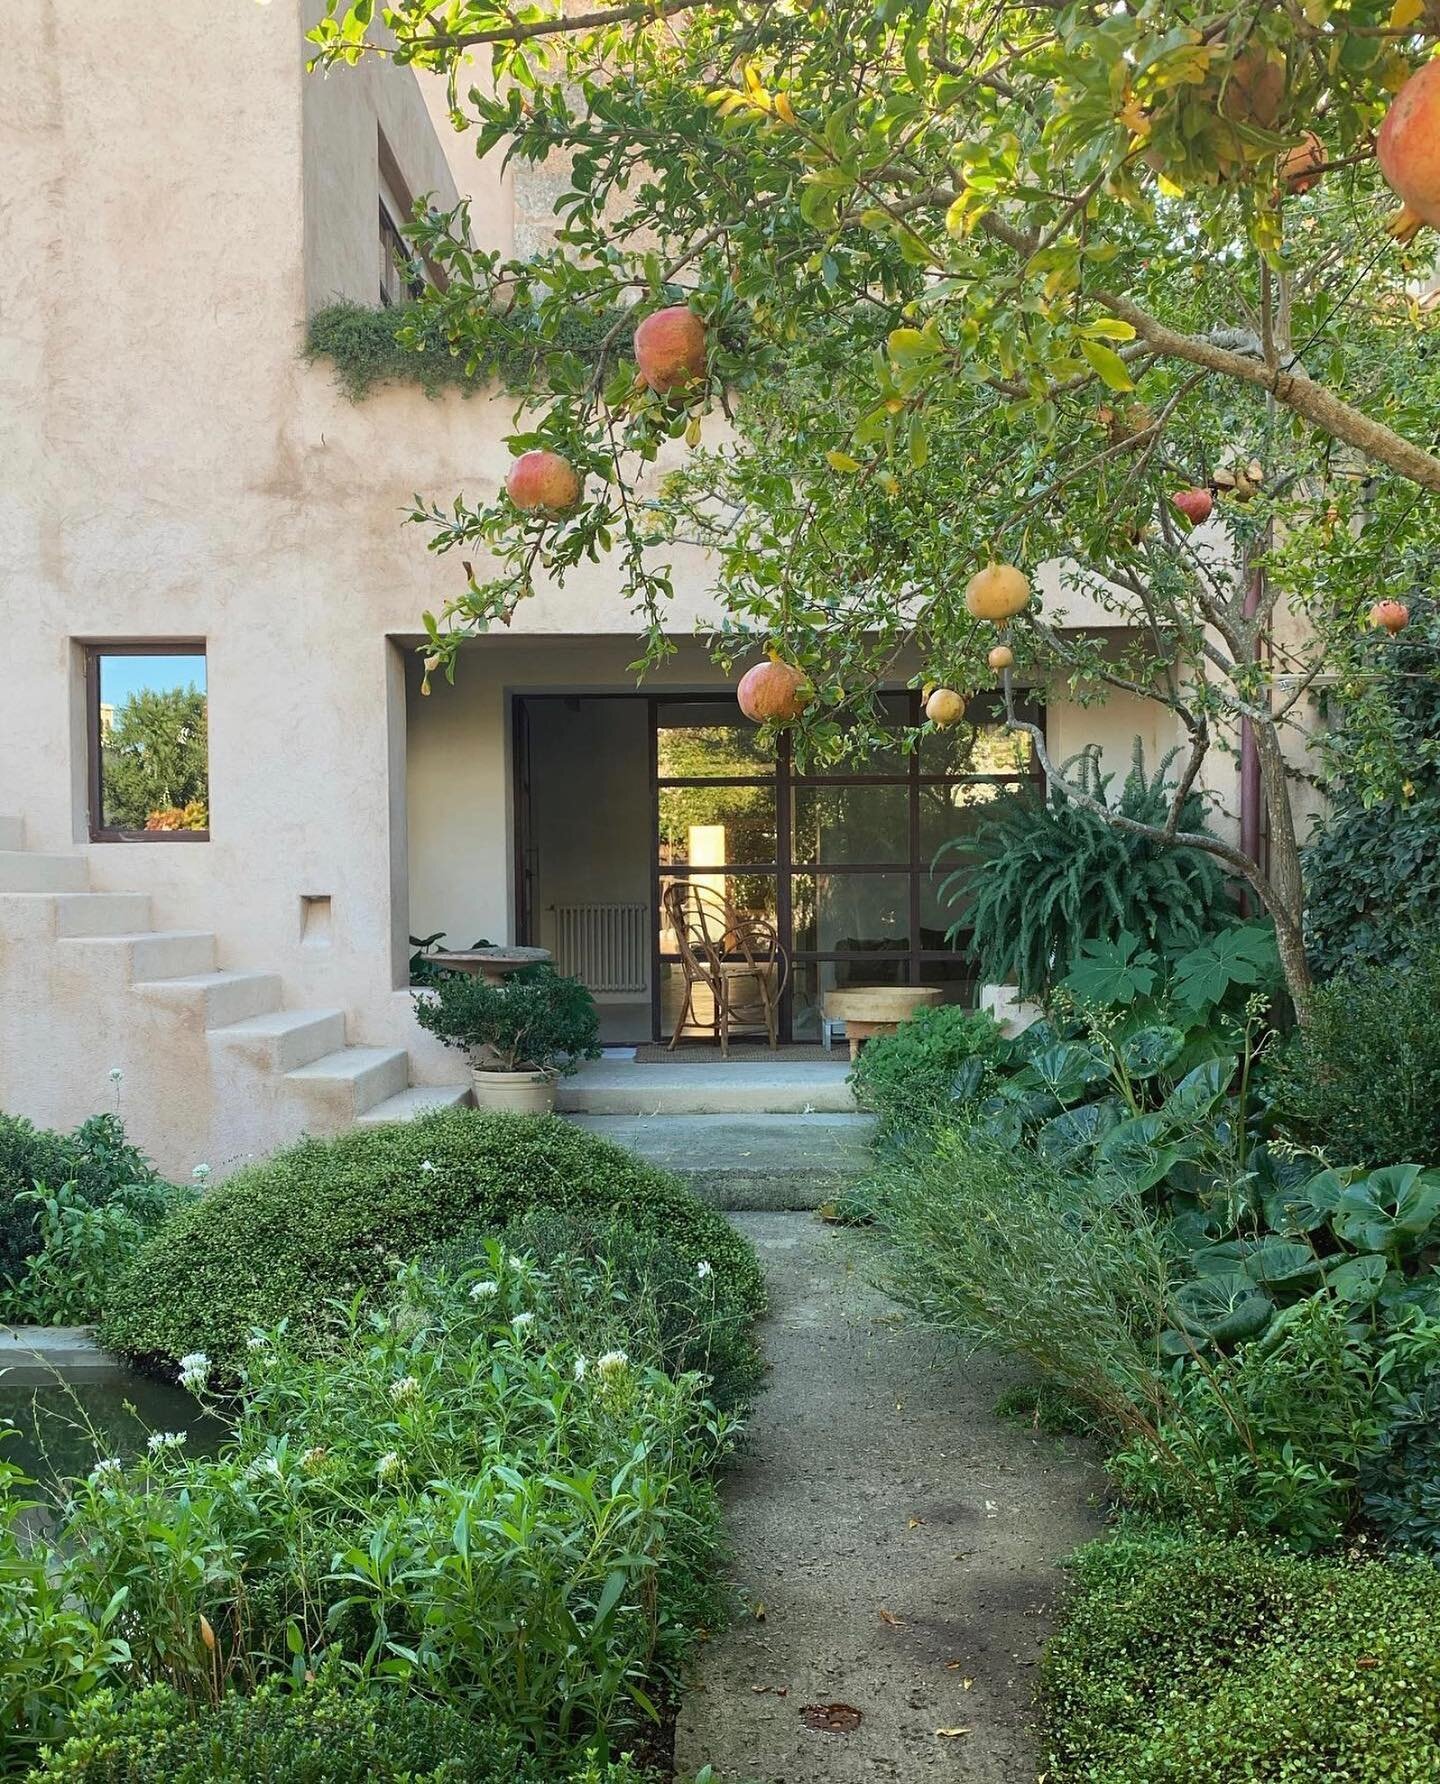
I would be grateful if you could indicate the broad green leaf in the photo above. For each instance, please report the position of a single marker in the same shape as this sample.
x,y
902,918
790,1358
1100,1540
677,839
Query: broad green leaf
x,y
1067,1138
1107,365
1199,1091
1111,972
1358,1279
1391,1210
1149,1050
1222,1308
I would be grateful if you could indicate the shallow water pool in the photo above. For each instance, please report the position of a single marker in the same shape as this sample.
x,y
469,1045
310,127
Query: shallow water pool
x,y
66,1429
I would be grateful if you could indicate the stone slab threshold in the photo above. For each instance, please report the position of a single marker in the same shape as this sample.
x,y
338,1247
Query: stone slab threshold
x,y
41,1356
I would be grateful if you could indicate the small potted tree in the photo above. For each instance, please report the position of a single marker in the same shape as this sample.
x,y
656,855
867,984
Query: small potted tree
x,y
521,1035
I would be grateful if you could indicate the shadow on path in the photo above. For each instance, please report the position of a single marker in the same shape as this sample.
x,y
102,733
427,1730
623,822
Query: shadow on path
x,y
894,1544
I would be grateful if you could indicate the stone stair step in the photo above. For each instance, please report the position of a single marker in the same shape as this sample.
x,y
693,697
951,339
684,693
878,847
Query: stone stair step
x,y
354,1079
620,1087
12,834
21,871
283,1040
101,913
153,953
222,998
420,1099
748,1161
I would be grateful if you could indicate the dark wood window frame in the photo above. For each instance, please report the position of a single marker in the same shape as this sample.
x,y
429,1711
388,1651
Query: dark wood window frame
x,y
130,647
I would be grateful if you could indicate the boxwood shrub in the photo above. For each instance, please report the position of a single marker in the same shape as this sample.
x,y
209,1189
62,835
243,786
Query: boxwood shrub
x,y
1184,1661
321,1220
324,1733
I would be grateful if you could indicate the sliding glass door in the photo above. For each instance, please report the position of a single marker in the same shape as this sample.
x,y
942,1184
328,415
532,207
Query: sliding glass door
x,y
840,863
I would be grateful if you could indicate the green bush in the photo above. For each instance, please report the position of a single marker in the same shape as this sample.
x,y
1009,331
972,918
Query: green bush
x,y
465,1494
666,1308
326,1732
286,1238
537,1020
1361,1082
1209,1662
929,1066
97,1158
1039,877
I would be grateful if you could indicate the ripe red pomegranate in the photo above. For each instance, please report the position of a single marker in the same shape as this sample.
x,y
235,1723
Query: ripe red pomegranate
x,y
670,349
1300,168
1394,616
773,691
1196,505
543,483
1408,148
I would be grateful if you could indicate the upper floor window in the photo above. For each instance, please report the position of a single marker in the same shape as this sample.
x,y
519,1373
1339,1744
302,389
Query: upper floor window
x,y
400,276
149,747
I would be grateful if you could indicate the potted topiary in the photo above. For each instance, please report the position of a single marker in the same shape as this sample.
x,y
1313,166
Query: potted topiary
x,y
521,1035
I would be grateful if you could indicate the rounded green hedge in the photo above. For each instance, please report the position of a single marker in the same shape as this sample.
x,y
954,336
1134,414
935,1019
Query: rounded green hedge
x,y
324,1219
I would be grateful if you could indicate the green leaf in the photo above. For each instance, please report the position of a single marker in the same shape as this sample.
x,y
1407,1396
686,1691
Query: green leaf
x,y
1244,956
1148,1051
610,1595
1106,972
1067,1071
1222,1308
1199,1092
1068,1138
1391,1210
1306,1206
1107,365
1358,1279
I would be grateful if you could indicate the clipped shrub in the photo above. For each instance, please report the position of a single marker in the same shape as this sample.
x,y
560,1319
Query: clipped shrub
x,y
1041,876
97,1158
285,1238
667,1308
1205,1662
933,1063
325,1732
1361,1082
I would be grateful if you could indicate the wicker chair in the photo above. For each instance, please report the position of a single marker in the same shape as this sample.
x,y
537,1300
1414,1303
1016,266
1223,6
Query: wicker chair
x,y
735,957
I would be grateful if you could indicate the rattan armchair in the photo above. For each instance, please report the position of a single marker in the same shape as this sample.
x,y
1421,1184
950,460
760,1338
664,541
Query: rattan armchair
x,y
732,956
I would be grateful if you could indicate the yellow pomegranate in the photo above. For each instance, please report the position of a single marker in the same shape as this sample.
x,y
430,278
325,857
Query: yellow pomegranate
x,y
944,708
997,592
1002,657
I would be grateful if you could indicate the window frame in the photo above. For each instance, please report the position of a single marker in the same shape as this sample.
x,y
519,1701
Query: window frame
x,y
95,791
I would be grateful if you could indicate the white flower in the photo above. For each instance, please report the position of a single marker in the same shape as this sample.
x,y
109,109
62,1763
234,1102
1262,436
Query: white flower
x,y
112,1465
427,1164
263,1465
407,1388
115,1074
702,1269
313,1458
194,1370
388,1464
580,1367
201,1174
159,1440
521,1320
256,1341
482,1291
613,1363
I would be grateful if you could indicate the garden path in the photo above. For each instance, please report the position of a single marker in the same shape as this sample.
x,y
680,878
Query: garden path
x,y
894,1544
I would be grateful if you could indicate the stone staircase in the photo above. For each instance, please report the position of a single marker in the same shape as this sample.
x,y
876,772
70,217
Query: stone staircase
x,y
111,940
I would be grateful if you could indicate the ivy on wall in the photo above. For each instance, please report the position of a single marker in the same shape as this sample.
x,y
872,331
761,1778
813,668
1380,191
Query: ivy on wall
x,y
406,344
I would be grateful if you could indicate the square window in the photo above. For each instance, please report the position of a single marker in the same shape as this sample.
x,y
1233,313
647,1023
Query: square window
x,y
149,742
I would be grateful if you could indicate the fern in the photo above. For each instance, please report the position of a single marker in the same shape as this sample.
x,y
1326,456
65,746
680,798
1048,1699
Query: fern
x,y
1041,876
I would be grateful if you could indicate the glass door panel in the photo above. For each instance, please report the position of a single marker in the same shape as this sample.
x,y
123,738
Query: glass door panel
x,y
835,826
708,740
718,826
848,913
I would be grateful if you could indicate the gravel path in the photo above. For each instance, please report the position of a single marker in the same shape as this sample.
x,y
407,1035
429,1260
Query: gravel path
x,y
894,1545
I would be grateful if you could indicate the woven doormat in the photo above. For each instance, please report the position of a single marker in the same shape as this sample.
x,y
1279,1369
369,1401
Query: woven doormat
x,y
741,1053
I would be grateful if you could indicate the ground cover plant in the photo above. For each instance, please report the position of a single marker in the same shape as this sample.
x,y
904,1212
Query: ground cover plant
x,y
322,1220
73,1209
940,1058
482,1490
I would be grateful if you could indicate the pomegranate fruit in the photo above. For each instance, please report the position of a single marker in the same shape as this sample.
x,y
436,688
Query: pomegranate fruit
x,y
944,708
997,592
670,349
1300,168
773,692
1002,657
1393,616
1408,149
1196,504
543,483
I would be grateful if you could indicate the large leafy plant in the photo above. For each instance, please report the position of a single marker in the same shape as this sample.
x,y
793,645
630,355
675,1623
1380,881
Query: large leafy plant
x,y
1041,877
537,1020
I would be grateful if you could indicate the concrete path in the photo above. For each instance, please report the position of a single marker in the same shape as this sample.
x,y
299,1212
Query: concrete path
x,y
749,1161
894,1545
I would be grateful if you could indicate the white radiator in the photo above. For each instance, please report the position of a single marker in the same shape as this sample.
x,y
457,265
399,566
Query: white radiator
x,y
606,946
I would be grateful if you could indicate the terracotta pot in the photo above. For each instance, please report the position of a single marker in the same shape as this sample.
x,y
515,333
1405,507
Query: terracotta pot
x,y
514,1093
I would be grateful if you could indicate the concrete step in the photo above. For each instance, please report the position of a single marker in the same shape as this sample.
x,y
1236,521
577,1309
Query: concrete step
x,y
152,953
282,1040
347,1083
620,1087
12,834
222,998
102,913
748,1161
20,871
420,1099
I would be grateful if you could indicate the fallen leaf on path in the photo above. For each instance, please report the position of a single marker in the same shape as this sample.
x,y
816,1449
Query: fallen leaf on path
x,y
915,1523
831,1718
950,1734
890,1618
759,1612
